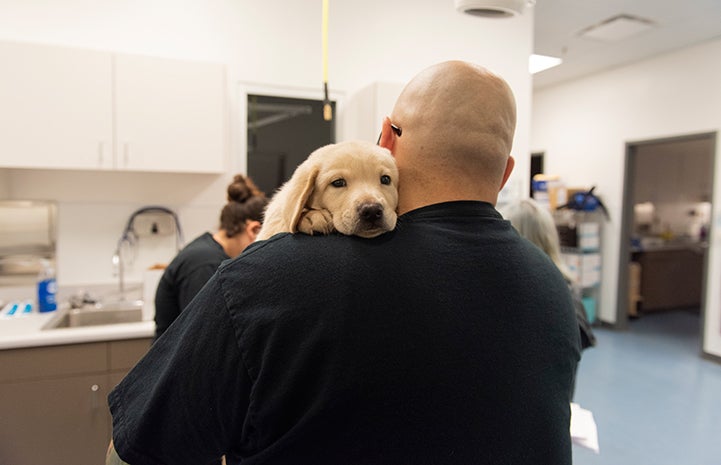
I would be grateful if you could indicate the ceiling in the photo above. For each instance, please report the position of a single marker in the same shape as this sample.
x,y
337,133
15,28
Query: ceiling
x,y
676,24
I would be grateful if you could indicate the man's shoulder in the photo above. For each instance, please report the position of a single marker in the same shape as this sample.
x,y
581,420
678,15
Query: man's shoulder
x,y
283,242
286,248
285,269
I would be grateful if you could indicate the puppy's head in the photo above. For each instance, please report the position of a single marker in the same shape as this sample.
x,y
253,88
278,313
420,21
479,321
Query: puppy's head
x,y
357,182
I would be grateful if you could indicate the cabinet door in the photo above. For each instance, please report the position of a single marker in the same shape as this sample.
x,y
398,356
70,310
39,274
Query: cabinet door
x,y
671,279
363,112
56,109
170,115
55,421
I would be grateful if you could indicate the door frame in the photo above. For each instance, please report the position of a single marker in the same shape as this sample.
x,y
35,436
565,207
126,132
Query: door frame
x,y
251,88
541,157
627,211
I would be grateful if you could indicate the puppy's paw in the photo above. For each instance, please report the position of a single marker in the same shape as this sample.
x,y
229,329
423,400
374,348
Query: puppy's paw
x,y
316,222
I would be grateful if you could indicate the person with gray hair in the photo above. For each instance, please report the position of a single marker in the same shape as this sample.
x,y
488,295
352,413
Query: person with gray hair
x,y
535,222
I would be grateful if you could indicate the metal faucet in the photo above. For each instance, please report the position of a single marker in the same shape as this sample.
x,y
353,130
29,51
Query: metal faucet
x,y
129,238
119,271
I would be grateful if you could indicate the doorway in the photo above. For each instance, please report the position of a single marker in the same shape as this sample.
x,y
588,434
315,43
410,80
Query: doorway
x,y
281,133
667,194
536,168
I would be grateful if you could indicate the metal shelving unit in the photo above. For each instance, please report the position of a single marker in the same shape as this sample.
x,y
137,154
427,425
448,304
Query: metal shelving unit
x,y
580,236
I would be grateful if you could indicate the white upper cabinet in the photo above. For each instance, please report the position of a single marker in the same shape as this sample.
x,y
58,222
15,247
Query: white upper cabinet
x,y
169,115
55,107
84,109
363,112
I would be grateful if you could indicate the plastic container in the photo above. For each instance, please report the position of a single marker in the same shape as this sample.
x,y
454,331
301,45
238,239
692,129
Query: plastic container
x,y
47,288
589,304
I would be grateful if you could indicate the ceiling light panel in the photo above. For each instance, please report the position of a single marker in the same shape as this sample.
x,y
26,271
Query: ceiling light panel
x,y
617,28
538,63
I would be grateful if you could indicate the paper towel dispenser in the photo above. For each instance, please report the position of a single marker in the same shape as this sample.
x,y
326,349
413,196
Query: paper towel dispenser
x,y
28,234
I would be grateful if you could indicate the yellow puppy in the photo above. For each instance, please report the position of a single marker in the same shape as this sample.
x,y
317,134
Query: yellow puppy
x,y
349,187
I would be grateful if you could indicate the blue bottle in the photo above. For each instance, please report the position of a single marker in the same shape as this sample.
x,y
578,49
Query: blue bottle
x,y
47,288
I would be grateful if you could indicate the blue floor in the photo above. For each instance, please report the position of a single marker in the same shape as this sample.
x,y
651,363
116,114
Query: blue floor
x,y
654,399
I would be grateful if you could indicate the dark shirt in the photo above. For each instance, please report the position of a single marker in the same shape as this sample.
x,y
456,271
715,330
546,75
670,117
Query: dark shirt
x,y
450,340
184,277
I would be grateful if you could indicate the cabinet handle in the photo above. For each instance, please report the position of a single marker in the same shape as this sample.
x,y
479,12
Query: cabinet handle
x,y
94,401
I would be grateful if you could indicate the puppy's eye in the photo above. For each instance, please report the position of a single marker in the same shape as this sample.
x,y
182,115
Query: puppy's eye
x,y
340,182
385,179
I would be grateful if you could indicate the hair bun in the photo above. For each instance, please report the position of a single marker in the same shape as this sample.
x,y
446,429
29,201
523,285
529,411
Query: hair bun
x,y
242,188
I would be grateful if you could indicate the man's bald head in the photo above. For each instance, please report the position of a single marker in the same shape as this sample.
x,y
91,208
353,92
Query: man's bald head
x,y
458,120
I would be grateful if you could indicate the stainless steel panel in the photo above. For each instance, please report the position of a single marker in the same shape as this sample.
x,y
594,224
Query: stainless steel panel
x,y
28,234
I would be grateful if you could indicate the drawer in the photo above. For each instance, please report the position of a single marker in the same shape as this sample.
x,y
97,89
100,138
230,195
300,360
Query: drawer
x,y
51,361
125,354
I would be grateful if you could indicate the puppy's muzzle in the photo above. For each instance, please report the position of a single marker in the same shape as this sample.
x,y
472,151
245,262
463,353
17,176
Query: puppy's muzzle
x,y
371,215
372,219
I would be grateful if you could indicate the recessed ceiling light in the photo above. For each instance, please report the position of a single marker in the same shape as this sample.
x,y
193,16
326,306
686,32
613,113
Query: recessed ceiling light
x,y
538,63
617,28
493,8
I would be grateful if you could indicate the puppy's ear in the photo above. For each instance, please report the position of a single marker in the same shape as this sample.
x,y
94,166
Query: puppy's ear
x,y
300,189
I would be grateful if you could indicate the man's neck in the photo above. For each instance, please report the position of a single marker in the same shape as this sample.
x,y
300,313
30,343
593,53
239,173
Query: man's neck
x,y
411,199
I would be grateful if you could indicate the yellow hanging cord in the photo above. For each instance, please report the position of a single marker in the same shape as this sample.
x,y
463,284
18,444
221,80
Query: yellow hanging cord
x,y
327,109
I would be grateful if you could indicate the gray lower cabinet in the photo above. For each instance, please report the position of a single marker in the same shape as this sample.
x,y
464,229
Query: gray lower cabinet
x,y
671,279
53,400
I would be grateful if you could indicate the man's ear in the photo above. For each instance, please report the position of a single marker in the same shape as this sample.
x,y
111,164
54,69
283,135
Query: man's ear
x,y
510,163
388,137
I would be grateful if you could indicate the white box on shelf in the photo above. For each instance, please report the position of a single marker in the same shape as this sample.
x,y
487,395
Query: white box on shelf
x,y
585,268
589,236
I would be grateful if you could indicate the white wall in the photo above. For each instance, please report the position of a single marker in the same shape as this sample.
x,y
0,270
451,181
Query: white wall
x,y
272,43
583,127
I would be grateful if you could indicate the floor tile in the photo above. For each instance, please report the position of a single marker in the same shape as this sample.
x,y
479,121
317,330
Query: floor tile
x,y
654,399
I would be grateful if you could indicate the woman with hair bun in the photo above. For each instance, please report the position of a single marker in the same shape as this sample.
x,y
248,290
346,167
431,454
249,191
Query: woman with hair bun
x,y
240,221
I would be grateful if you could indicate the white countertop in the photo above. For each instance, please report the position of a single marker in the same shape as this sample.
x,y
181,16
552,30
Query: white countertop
x,y
26,331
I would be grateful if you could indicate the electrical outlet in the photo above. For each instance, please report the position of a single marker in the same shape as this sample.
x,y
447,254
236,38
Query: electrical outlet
x,y
153,224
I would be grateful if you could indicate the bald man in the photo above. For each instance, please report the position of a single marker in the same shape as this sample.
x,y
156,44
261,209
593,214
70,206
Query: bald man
x,y
458,120
449,340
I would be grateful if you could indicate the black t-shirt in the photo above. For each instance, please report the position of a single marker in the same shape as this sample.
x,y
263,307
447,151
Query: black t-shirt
x,y
450,340
184,277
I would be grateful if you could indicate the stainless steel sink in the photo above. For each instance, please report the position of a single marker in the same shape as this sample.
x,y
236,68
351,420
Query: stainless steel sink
x,y
98,314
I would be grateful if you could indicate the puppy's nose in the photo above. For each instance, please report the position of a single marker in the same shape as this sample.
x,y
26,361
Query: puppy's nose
x,y
371,212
